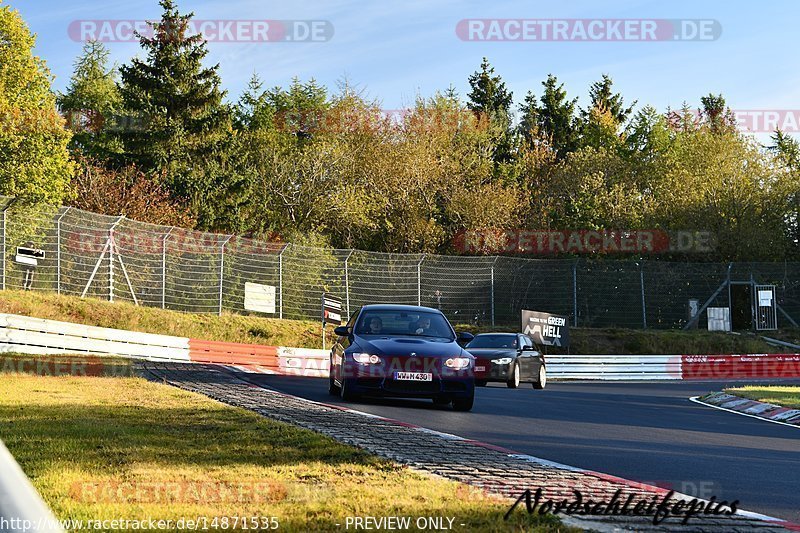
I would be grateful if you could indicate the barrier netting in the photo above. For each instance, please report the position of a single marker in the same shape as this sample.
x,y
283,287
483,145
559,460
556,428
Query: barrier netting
x,y
115,258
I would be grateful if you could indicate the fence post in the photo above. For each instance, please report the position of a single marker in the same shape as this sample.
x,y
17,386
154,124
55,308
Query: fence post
x,y
492,288
728,281
4,246
419,279
644,308
58,250
280,281
222,270
575,294
347,284
111,258
164,268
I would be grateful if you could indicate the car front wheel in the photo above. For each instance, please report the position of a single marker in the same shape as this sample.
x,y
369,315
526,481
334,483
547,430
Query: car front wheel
x,y
333,389
463,404
542,378
345,392
513,376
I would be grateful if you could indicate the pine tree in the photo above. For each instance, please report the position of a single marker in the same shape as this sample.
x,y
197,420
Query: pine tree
x,y
787,149
716,114
604,98
178,102
92,104
489,94
253,109
490,98
529,117
556,117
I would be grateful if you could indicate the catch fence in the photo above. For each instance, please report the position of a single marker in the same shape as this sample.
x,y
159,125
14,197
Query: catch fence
x,y
115,258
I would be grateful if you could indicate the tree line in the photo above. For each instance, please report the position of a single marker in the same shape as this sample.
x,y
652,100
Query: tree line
x,y
156,139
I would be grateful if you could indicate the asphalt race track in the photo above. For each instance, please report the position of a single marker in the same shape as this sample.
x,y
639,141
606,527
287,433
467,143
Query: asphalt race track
x,y
647,432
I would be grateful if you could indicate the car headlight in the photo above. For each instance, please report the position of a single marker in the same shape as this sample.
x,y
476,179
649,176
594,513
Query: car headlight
x,y
502,361
366,359
457,363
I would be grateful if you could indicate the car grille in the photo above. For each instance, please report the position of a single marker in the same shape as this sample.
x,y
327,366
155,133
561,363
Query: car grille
x,y
369,382
455,386
411,387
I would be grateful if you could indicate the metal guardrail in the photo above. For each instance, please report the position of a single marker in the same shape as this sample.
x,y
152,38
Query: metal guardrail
x,y
614,367
21,507
23,334
38,336
782,344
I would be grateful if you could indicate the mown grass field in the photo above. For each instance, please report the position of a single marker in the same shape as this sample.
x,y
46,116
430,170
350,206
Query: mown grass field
x,y
787,396
107,448
307,334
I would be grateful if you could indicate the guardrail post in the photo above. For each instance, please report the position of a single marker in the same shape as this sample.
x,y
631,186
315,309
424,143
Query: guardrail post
x,y
111,258
347,284
280,281
419,279
644,308
222,270
58,250
164,268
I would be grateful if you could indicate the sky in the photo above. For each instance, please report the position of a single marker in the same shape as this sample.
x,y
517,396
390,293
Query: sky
x,y
395,51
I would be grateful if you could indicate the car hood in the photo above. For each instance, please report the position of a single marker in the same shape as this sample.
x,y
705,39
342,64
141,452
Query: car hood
x,y
421,346
492,353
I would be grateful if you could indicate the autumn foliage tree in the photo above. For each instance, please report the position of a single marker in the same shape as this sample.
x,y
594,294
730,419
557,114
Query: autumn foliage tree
x,y
34,161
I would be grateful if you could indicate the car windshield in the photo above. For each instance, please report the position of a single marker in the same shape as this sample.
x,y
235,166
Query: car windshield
x,y
412,323
493,341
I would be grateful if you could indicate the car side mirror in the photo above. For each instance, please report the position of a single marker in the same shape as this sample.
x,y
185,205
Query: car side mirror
x,y
527,348
464,338
341,331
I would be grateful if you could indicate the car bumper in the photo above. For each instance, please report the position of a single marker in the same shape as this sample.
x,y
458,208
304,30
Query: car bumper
x,y
389,387
492,371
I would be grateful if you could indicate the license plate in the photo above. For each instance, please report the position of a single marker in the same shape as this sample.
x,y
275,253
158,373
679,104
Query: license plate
x,y
413,376
480,369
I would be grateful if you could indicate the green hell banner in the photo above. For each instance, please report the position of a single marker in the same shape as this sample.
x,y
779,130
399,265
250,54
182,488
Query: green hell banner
x,y
545,329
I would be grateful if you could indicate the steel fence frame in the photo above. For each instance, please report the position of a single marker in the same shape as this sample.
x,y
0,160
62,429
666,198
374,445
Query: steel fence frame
x,y
115,258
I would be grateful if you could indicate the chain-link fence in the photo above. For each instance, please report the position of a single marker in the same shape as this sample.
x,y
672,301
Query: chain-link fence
x,y
115,258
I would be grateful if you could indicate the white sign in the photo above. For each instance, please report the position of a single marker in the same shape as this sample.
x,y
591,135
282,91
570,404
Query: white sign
x,y
765,298
719,318
259,297
25,260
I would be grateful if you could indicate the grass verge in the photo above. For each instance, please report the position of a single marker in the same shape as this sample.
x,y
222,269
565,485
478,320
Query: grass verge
x,y
786,396
123,315
307,334
125,448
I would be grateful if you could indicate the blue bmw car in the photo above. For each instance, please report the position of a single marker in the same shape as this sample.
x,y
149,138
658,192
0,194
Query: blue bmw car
x,y
402,351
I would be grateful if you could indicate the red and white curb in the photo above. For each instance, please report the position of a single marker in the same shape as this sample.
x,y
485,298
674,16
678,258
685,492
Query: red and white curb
x,y
768,412
529,458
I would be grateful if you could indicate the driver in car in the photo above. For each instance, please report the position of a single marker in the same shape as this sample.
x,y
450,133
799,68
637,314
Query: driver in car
x,y
375,326
424,326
